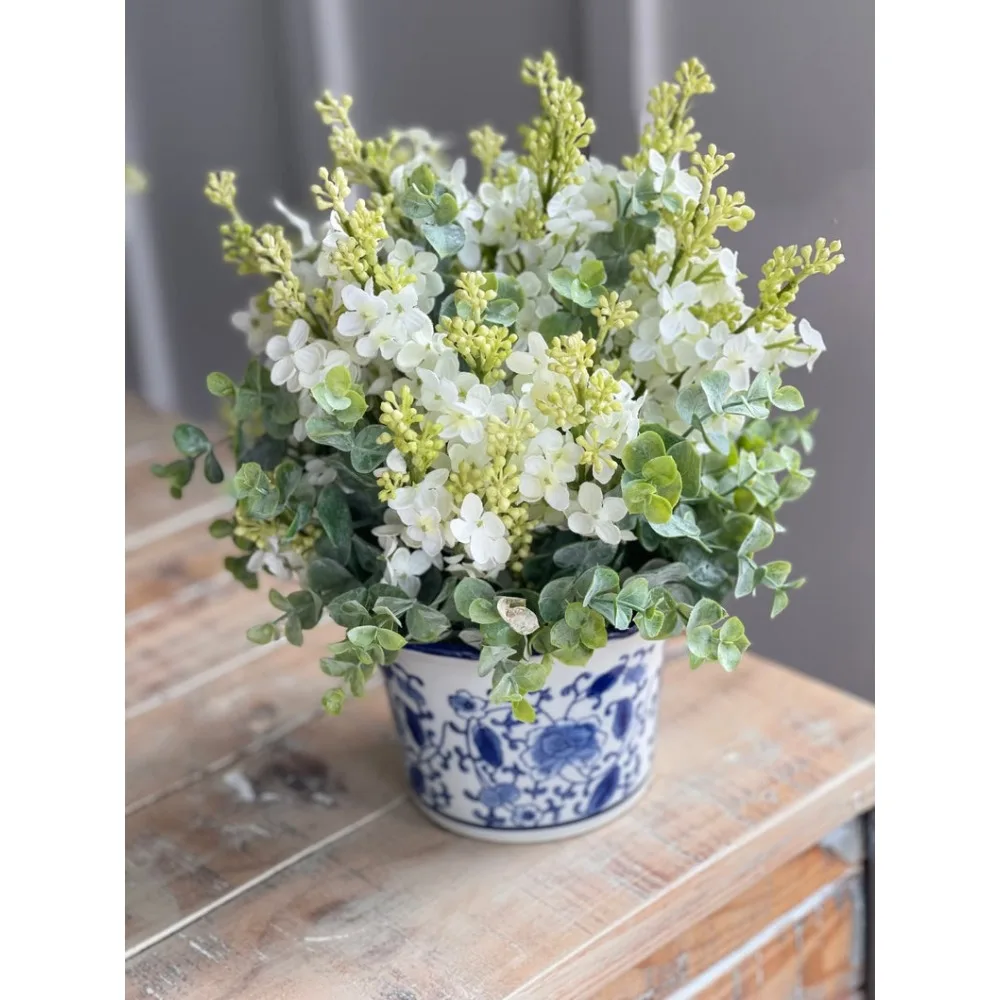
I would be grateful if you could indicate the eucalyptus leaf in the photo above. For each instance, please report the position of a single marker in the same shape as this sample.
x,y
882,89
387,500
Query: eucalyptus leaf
x,y
688,463
445,240
367,454
424,624
335,517
469,590
580,555
715,386
190,440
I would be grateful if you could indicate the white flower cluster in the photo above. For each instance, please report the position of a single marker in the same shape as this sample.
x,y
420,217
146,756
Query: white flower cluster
x,y
533,442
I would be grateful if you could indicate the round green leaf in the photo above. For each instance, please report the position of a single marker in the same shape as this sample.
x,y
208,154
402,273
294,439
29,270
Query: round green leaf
x,y
647,446
191,440
220,385
367,454
469,590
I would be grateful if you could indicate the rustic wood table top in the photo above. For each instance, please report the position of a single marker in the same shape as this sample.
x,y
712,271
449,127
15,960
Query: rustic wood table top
x,y
271,852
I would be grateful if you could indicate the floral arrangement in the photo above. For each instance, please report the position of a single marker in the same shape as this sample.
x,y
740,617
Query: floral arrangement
x,y
514,417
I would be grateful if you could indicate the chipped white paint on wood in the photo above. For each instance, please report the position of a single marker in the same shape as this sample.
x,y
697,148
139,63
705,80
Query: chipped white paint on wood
x,y
263,876
847,842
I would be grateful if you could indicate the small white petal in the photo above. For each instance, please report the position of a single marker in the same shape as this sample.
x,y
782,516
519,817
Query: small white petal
x,y
277,347
614,509
590,498
608,533
298,334
472,507
283,370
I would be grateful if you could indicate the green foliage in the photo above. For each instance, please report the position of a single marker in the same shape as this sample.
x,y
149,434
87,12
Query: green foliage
x,y
339,398
652,483
703,494
584,288
433,208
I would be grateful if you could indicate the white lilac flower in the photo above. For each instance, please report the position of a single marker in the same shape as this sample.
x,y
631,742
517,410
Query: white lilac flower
x,y
297,362
603,447
363,310
309,278
424,510
422,264
307,408
395,461
404,567
597,514
441,387
483,534
549,465
538,302
465,416
332,236
727,288
735,354
676,302
319,472
709,347
474,454
587,207
813,340
658,167
685,184
256,326
501,206
283,565
529,360
404,334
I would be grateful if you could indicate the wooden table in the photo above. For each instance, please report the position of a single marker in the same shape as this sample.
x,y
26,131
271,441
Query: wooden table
x,y
271,852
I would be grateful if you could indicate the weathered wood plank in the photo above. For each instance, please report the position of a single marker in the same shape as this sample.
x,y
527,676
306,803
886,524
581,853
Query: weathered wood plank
x,y
148,503
193,847
232,709
201,640
213,726
149,435
815,955
792,895
171,568
753,769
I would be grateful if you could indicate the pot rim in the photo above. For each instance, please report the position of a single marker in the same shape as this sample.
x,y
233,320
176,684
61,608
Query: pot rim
x,y
458,650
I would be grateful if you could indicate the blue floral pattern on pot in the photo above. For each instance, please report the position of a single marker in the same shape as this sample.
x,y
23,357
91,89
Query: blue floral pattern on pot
x,y
588,751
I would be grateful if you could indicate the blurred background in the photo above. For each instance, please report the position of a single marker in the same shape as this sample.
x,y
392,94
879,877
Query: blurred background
x,y
216,84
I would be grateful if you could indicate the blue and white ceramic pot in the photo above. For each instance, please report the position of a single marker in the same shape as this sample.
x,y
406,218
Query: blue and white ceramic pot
x,y
475,770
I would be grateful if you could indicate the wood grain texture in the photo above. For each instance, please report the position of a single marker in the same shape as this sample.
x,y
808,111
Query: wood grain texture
x,y
814,957
270,851
191,848
204,638
212,726
169,569
148,500
752,770
792,896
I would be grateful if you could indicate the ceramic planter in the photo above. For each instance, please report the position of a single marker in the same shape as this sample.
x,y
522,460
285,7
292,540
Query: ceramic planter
x,y
477,771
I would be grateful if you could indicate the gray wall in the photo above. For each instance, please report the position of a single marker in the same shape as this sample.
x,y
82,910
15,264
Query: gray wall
x,y
229,83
